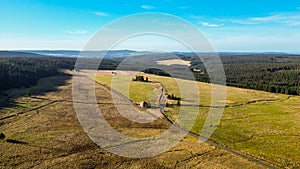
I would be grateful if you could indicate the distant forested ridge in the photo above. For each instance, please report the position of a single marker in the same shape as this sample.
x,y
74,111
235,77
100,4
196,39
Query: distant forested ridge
x,y
267,72
20,69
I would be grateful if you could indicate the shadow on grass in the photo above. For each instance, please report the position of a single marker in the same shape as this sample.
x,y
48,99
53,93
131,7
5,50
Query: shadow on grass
x,y
43,86
15,141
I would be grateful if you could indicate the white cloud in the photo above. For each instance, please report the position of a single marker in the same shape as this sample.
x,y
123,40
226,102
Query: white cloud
x,y
290,19
294,23
241,21
266,18
147,7
210,24
101,13
77,32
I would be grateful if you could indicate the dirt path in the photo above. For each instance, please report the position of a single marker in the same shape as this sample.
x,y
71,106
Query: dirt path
x,y
195,135
166,120
211,142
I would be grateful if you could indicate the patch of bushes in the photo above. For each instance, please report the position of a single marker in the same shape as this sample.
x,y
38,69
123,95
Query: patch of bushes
x,y
140,79
2,136
173,97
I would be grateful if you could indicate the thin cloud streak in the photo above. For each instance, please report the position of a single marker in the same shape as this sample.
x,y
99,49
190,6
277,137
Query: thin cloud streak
x,y
147,7
78,32
210,24
241,21
101,13
289,19
266,18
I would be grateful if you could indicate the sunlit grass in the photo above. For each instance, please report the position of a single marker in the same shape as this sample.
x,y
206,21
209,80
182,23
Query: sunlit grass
x,y
134,90
268,128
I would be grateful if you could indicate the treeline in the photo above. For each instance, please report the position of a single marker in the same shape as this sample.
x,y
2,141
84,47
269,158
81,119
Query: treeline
x,y
26,71
272,73
18,72
156,72
276,78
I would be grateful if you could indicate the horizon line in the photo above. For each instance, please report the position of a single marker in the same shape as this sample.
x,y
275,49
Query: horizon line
x,y
135,50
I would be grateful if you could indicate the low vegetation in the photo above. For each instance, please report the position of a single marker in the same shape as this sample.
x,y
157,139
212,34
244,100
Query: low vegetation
x,y
136,90
262,124
51,137
140,79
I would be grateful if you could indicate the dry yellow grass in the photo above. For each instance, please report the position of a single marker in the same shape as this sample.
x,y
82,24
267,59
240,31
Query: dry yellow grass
x,y
51,137
265,125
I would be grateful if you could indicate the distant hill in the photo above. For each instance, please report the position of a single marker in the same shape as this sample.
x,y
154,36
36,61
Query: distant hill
x,y
12,54
115,54
92,54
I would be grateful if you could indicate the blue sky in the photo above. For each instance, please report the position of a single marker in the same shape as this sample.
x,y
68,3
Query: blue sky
x,y
250,26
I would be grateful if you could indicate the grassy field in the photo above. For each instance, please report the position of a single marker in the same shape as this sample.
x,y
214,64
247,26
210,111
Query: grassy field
x,y
51,137
258,123
136,91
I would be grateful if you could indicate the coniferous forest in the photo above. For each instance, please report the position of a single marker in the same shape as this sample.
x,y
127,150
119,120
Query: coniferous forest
x,y
26,71
272,73
277,73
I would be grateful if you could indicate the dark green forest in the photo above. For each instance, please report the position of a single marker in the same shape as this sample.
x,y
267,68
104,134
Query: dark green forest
x,y
269,72
277,73
26,71
19,69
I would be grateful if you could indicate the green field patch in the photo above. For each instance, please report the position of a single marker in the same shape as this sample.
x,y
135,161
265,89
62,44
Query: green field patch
x,y
134,90
259,123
